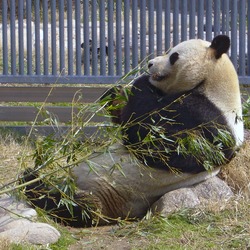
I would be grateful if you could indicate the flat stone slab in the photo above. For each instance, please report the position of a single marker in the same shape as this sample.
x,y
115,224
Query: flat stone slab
x,y
17,224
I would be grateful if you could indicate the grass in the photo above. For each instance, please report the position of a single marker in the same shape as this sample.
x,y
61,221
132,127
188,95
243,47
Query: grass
x,y
194,229
203,228
217,226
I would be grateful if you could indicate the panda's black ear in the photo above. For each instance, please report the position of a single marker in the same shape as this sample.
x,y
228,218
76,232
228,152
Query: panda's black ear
x,y
173,58
220,44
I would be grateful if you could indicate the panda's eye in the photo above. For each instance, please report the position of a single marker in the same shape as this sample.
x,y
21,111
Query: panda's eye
x,y
173,58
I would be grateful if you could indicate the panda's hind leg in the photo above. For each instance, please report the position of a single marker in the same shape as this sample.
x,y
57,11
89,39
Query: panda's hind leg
x,y
82,210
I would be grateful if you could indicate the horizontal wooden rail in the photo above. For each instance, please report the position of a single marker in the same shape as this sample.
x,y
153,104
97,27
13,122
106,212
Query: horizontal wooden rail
x,y
50,94
33,131
23,104
29,114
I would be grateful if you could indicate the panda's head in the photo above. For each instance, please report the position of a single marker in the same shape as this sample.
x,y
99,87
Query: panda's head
x,y
188,64
205,65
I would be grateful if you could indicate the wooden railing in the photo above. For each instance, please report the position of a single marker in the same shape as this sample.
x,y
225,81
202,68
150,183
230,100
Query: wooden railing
x,y
22,108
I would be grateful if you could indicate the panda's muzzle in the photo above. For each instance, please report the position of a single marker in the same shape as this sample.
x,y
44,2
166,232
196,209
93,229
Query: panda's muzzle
x,y
155,76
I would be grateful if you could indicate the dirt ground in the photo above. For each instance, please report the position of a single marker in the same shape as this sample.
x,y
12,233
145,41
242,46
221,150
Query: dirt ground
x,y
100,238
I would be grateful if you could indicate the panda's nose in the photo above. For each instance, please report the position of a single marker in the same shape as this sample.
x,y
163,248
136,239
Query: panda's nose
x,y
150,64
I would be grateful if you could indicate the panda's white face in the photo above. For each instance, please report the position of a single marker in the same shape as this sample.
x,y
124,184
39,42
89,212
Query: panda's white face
x,y
183,67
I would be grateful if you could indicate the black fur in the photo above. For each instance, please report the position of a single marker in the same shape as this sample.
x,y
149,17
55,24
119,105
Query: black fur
x,y
148,106
173,58
221,45
47,198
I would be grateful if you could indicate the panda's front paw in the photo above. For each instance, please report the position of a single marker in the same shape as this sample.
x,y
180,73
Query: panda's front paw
x,y
114,100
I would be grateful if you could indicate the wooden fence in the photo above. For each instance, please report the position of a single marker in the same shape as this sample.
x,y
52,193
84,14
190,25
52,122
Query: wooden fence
x,y
26,107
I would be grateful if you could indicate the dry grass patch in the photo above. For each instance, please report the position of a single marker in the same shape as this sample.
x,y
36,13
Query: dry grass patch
x,y
14,154
4,244
237,172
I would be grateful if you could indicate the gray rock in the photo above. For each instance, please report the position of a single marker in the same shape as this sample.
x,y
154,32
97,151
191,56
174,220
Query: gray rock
x,y
18,209
174,200
211,190
23,230
16,224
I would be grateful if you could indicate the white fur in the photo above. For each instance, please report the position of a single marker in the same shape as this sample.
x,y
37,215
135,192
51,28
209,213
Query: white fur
x,y
197,63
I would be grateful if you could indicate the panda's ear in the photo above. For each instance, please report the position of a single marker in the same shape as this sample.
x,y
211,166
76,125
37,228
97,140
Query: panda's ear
x,y
221,45
173,58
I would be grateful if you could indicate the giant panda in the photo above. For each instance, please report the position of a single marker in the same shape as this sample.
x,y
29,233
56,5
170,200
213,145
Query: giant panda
x,y
191,92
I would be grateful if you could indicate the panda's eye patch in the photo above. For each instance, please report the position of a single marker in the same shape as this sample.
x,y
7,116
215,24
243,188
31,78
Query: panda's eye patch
x,y
173,58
